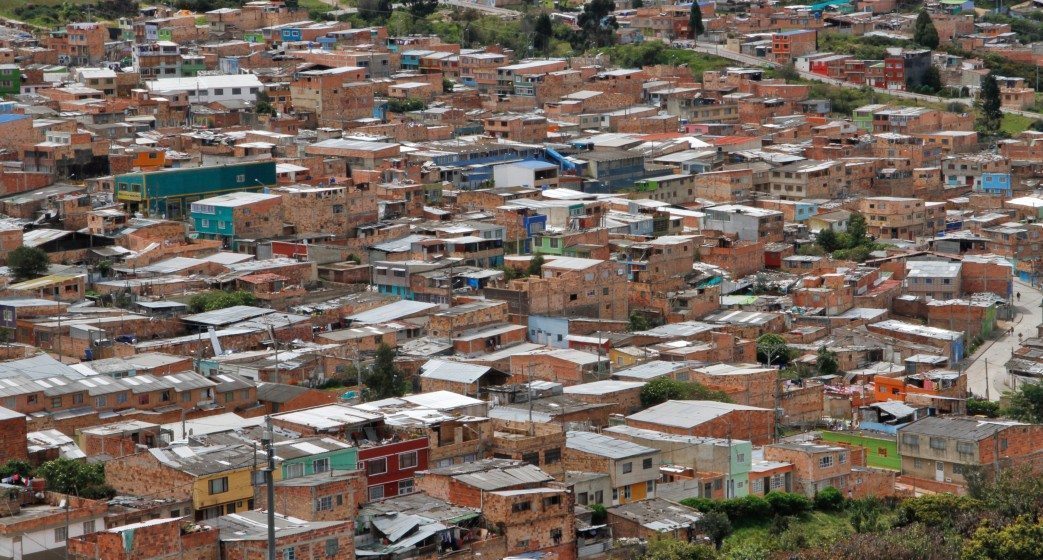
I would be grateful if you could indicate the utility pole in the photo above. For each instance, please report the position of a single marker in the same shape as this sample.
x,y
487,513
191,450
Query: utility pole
x,y
269,480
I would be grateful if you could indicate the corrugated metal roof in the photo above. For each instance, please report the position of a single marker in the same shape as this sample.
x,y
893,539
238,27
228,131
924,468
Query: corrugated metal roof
x,y
605,446
452,371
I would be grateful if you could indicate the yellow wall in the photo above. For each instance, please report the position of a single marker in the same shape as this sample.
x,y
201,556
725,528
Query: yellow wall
x,y
240,487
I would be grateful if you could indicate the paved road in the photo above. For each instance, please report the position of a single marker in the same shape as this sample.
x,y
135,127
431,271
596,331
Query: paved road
x,y
709,48
502,12
1030,314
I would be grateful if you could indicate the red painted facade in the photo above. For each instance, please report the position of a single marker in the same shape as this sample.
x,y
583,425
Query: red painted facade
x,y
397,473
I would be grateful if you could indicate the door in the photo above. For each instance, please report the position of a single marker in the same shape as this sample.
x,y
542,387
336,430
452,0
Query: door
x,y
939,471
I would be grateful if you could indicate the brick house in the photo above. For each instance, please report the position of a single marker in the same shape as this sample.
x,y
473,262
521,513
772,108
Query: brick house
x,y
327,496
818,466
632,467
938,452
466,485
12,436
458,377
217,479
539,444
244,536
39,524
708,419
537,519
625,396
155,538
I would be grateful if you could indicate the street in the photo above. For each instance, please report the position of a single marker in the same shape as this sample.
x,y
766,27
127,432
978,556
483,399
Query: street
x,y
995,355
717,50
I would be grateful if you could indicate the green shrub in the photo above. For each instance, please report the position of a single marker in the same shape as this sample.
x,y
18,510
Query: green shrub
x,y
746,509
829,499
787,503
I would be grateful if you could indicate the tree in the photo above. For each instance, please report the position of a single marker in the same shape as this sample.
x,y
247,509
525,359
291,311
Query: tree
x,y
638,322
385,379
826,361
447,85
673,549
421,8
637,4
982,407
772,350
405,105
829,499
856,231
597,24
374,11
788,72
263,104
989,104
665,389
543,32
932,80
1021,540
695,21
28,262
104,267
14,466
717,526
220,299
1026,403
66,476
827,239
535,266
924,32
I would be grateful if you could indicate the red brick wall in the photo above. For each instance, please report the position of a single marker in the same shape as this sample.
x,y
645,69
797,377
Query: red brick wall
x,y
12,439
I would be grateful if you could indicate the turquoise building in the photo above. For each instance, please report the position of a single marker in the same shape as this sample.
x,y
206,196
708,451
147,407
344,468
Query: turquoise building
x,y
307,456
169,193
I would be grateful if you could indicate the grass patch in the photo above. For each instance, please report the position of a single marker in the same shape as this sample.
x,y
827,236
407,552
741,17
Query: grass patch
x,y
1015,124
880,453
815,528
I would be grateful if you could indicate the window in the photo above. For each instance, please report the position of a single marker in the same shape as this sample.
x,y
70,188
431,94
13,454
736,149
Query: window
x,y
551,456
582,498
911,440
320,465
626,492
842,458
219,485
615,495
30,399
826,461
551,501
60,534
376,492
77,398
965,448
101,401
143,399
240,178
957,468
186,396
289,553
405,486
56,402
1003,444
628,467
938,443
324,503
599,497
204,223
376,466
646,464
650,486
555,535
523,543
532,458
519,507
332,547
88,527
294,470
407,460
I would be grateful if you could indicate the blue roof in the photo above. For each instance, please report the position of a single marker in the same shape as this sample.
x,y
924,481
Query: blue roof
x,y
11,117
533,164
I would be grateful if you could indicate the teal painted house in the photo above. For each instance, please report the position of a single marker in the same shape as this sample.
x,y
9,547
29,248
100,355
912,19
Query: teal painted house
x,y
305,456
10,79
170,192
